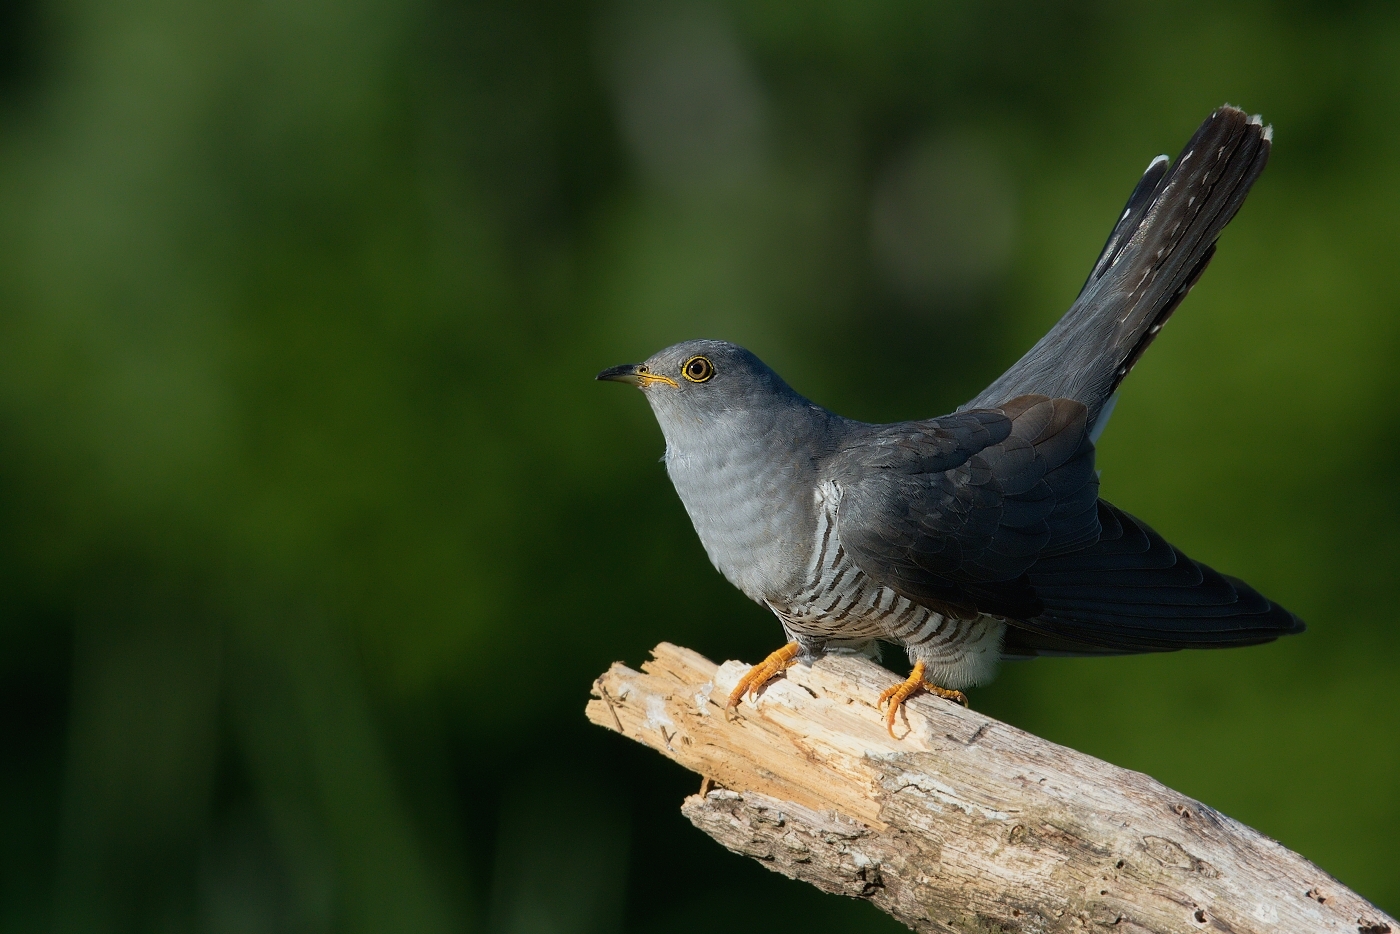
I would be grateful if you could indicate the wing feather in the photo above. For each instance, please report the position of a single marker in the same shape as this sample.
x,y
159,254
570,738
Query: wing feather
x,y
953,513
1135,592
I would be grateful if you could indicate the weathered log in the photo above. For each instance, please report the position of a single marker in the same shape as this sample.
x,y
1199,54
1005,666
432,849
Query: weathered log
x,y
962,823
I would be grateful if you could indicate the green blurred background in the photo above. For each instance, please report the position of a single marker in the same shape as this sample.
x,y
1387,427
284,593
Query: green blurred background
x,y
316,530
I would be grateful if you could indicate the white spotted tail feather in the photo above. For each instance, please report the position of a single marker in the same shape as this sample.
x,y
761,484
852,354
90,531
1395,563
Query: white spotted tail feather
x,y
1162,242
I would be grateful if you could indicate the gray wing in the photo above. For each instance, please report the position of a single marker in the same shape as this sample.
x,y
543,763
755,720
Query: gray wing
x,y
1133,591
996,511
952,512
1158,249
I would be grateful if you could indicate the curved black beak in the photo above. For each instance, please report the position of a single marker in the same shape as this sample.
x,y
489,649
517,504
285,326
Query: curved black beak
x,y
635,373
625,373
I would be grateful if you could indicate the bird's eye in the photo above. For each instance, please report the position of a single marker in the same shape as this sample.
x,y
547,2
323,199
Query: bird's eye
x,y
698,369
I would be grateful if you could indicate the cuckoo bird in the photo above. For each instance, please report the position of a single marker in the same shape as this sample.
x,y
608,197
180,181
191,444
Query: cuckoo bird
x,y
979,535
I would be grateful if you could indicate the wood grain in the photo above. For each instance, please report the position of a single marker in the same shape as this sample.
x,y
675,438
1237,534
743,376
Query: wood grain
x,y
962,823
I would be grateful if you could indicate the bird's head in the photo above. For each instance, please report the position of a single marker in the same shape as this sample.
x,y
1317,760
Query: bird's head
x,y
691,383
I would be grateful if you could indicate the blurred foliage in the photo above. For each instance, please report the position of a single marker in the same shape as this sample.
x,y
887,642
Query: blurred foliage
x,y
315,530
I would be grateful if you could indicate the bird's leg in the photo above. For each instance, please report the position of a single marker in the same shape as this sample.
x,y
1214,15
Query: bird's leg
x,y
898,694
760,674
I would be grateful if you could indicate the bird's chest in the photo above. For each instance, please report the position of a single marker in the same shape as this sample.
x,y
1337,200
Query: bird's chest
x,y
752,509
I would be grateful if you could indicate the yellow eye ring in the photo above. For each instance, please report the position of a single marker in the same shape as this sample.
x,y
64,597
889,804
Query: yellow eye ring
x,y
698,369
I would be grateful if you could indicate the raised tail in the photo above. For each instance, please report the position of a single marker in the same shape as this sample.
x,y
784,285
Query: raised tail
x,y
1156,252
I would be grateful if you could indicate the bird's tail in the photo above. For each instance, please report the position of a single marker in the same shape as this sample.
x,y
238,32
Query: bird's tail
x,y
1156,252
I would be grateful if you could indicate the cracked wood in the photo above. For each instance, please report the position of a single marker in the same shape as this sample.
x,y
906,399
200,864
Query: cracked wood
x,y
963,823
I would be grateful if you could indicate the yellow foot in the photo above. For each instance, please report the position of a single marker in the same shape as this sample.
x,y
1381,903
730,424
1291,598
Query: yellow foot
x,y
898,694
760,674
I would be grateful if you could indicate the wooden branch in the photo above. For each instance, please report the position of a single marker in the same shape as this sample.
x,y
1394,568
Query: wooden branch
x,y
963,823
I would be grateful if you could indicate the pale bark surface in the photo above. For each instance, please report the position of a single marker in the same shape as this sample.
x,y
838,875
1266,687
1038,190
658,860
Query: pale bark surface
x,y
963,823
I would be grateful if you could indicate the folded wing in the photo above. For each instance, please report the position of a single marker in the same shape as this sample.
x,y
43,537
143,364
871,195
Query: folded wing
x,y
996,511
1132,591
953,512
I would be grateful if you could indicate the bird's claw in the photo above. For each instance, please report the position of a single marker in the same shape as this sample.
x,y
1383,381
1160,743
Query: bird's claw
x,y
760,674
897,694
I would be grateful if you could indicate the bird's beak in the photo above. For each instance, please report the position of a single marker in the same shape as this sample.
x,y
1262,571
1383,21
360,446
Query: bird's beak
x,y
635,373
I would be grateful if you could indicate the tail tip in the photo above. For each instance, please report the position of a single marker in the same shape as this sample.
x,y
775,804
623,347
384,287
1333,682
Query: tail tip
x,y
1252,120
1258,120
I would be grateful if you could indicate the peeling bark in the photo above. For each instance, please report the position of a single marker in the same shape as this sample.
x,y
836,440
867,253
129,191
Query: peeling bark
x,y
963,823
